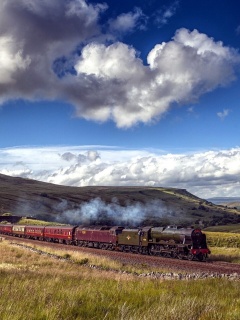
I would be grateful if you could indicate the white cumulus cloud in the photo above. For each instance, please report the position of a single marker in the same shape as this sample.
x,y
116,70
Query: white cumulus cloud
x,y
205,174
56,50
128,22
178,71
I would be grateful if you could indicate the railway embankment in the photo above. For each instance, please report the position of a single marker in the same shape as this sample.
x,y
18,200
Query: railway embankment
x,y
234,276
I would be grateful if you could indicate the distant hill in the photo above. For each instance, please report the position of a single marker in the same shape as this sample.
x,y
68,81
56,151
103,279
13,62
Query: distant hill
x,y
109,205
232,228
226,201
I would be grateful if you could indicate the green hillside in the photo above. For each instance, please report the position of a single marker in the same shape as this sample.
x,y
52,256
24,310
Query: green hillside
x,y
101,205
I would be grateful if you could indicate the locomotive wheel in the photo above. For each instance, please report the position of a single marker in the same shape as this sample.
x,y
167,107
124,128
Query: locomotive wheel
x,y
174,255
166,254
205,257
190,257
134,249
152,251
145,250
96,245
200,257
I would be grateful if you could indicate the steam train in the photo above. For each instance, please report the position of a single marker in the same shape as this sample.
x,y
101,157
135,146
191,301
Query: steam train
x,y
171,241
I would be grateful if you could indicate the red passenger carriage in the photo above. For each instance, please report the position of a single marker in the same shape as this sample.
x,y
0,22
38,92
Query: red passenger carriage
x,y
59,234
34,232
6,229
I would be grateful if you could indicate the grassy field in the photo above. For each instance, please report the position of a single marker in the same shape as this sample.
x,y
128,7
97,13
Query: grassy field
x,y
27,221
225,254
225,246
223,239
39,287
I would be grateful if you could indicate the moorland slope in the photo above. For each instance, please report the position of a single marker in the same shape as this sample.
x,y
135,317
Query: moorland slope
x,y
147,205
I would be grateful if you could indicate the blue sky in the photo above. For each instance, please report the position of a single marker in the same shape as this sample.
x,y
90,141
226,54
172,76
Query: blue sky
x,y
121,93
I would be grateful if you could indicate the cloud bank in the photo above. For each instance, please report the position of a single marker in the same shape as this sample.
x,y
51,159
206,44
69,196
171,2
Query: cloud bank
x,y
58,49
205,174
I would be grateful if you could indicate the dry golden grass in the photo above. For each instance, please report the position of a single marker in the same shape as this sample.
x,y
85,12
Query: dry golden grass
x,y
223,239
225,254
38,287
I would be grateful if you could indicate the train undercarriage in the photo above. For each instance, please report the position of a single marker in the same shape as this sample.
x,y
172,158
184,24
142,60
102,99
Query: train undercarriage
x,y
177,252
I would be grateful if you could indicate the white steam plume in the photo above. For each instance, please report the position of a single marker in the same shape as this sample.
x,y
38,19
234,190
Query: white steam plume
x,y
96,211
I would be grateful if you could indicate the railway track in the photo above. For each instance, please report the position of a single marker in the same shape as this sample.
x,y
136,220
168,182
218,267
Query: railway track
x,y
172,265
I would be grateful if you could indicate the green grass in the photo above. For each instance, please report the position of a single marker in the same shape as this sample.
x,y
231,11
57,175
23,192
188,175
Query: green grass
x,y
25,221
224,246
38,287
223,239
225,254
76,296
